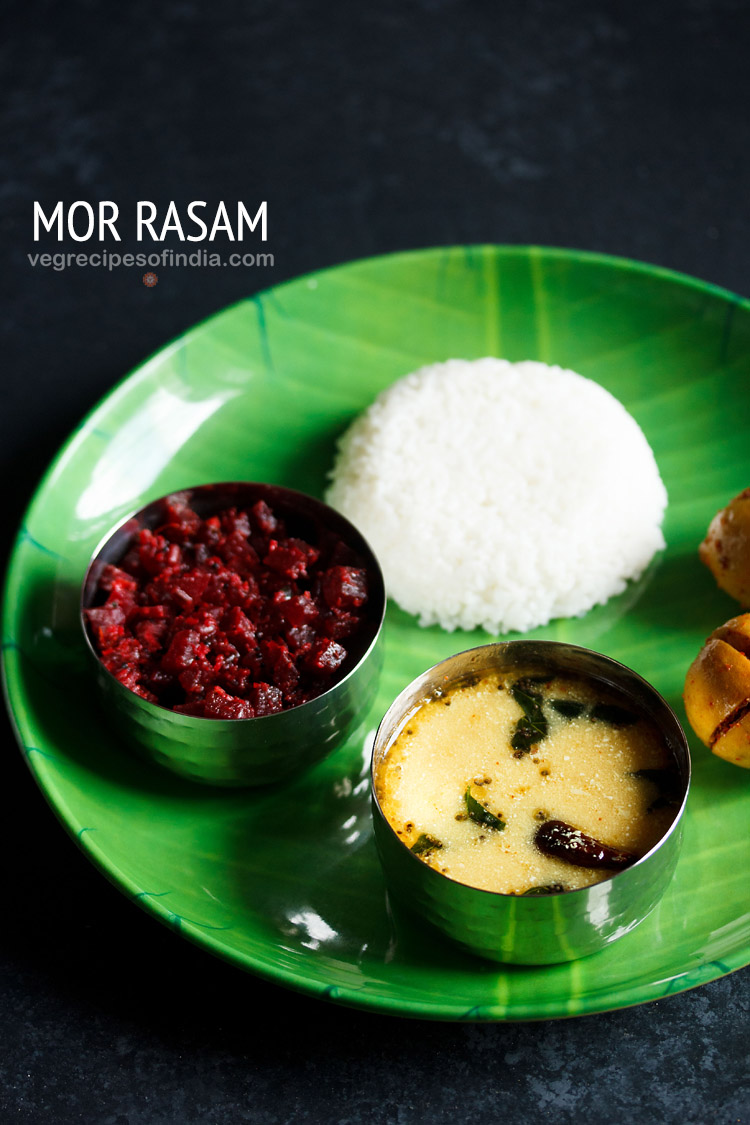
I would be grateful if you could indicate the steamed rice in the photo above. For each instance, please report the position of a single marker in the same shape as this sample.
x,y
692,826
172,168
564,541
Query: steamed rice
x,y
500,495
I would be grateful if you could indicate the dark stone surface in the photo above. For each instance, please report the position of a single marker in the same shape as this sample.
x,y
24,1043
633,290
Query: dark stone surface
x,y
621,128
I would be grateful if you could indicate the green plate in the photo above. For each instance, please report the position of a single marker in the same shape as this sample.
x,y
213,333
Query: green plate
x,y
286,882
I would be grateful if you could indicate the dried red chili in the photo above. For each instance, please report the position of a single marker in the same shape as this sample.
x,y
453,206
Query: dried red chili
x,y
229,617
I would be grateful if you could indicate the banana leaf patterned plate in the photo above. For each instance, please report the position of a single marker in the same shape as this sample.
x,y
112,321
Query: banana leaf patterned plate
x,y
285,882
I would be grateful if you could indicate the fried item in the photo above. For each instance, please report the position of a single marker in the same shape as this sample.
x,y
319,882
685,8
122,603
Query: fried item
x,y
726,548
717,692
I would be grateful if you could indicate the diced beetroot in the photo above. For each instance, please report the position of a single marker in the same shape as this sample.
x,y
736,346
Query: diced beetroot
x,y
108,623
279,662
299,640
151,634
234,589
190,587
220,705
112,577
181,524
338,623
155,553
235,524
234,679
156,678
276,587
298,611
177,508
193,680
148,613
224,654
290,557
344,587
265,699
122,661
325,657
126,651
181,652
210,533
264,518
239,629
238,554
253,662
196,708
205,623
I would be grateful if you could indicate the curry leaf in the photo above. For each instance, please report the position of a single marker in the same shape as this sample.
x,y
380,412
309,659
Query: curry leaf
x,y
533,727
425,843
543,889
480,815
614,715
568,708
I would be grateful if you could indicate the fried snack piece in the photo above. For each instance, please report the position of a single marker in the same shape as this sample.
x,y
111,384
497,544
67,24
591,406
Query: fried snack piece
x,y
726,548
717,692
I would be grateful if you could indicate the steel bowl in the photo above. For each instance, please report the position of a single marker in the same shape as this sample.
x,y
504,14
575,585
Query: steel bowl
x,y
267,748
541,929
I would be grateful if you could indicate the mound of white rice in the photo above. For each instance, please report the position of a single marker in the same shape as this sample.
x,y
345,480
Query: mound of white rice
x,y
500,495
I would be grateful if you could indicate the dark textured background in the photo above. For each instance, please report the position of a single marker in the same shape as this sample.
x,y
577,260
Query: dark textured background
x,y
616,127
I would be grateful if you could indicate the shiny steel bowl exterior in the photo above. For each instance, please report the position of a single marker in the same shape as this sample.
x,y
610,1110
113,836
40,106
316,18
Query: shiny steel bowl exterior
x,y
241,752
545,929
